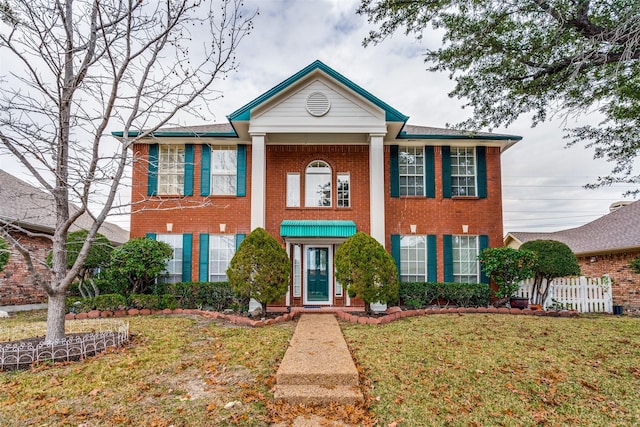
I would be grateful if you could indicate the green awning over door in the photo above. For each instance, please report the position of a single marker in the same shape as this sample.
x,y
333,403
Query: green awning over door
x,y
309,228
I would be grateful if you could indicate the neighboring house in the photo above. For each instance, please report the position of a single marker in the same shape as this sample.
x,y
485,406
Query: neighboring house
x,y
28,214
313,160
603,246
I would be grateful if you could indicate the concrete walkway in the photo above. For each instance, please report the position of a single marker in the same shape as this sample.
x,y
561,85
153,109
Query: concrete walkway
x,y
317,368
27,307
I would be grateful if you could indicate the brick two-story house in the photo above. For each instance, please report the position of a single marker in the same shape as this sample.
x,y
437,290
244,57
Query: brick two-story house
x,y
313,160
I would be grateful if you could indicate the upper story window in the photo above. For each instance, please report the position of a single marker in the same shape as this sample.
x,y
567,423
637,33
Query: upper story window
x,y
171,161
293,190
344,190
223,170
463,171
173,270
466,268
317,184
411,168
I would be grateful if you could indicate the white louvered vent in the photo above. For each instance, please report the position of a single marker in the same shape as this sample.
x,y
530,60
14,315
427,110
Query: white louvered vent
x,y
318,104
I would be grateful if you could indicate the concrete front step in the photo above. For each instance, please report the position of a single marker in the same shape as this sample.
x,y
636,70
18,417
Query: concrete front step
x,y
317,367
318,395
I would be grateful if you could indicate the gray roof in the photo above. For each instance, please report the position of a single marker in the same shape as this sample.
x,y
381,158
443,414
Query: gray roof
x,y
615,232
33,209
428,130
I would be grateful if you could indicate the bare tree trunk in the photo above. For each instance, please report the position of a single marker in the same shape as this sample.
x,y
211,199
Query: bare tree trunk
x,y
55,317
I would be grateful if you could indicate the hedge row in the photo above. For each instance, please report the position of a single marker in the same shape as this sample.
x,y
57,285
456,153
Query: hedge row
x,y
423,294
215,296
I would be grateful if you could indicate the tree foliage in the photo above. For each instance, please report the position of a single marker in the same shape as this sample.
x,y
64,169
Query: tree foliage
x,y
366,270
634,265
140,261
98,257
78,68
507,267
4,254
260,268
538,57
553,259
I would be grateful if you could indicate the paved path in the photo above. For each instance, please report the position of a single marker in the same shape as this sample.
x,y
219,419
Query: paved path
x,y
317,368
27,307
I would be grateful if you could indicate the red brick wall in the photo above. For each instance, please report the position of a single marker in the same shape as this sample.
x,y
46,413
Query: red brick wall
x,y
16,284
626,284
441,216
189,215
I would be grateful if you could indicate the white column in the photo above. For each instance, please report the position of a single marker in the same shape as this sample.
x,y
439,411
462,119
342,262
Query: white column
x,y
376,187
258,180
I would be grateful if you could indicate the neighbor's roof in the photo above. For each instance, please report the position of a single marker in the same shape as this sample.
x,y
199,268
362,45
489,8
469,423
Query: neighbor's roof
x,y
33,209
615,232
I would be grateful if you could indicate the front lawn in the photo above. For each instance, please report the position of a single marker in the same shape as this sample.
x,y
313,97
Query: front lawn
x,y
477,370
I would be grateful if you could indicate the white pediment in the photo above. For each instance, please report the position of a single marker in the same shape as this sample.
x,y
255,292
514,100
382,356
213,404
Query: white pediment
x,y
321,105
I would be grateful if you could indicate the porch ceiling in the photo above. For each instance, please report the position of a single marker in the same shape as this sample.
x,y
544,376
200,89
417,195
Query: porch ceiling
x,y
318,228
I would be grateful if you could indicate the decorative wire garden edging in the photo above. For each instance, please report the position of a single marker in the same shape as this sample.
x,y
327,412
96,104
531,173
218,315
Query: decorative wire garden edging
x,y
84,338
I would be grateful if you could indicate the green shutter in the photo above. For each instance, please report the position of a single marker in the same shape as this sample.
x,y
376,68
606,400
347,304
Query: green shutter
x,y
481,164
241,184
432,264
448,257
395,250
394,171
151,236
188,169
203,260
483,244
152,174
239,239
446,172
205,171
186,257
429,172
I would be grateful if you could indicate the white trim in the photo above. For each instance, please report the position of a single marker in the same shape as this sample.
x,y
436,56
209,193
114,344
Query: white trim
x,y
376,188
305,286
258,180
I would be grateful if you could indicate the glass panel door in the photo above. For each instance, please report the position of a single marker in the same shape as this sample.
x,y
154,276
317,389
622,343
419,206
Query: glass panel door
x,y
318,274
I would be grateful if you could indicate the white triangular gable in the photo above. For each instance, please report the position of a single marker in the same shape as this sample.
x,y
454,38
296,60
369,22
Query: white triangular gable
x,y
348,112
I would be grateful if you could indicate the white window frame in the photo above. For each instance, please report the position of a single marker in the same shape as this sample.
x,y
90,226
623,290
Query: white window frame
x,y
343,196
464,181
293,190
413,258
229,172
297,270
411,168
466,267
218,267
173,269
171,160
317,168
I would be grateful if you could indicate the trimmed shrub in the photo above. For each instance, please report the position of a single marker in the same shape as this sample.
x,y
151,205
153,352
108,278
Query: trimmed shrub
x,y
79,304
168,301
201,295
422,294
111,302
140,261
140,301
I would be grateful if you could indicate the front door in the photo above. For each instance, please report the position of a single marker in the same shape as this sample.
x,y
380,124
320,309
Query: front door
x,y
317,275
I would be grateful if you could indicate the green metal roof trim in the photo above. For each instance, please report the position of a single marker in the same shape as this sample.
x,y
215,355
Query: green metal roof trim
x,y
309,228
181,134
244,113
404,135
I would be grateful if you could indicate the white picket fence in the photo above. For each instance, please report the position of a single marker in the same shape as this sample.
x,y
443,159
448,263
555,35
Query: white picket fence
x,y
585,294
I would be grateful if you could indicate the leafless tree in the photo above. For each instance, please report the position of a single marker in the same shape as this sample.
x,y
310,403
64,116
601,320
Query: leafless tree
x,y
81,69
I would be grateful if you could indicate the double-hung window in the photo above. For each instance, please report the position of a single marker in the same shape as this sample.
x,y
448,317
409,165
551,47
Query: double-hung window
x,y
463,171
411,171
222,247
466,268
171,163
344,190
173,270
413,258
223,170
293,190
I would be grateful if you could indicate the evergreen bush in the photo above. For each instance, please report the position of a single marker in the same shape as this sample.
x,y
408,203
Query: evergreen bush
x,y
423,294
110,302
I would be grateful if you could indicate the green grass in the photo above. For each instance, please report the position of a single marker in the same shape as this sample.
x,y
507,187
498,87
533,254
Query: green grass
x,y
178,371
445,370
501,370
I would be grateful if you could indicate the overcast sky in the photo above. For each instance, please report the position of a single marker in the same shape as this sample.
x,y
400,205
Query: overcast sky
x,y
542,181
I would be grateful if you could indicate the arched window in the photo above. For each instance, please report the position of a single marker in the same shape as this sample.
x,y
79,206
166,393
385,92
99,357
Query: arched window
x,y
317,188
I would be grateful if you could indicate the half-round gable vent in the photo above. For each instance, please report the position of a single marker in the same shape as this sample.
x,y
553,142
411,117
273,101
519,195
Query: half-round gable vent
x,y
318,104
